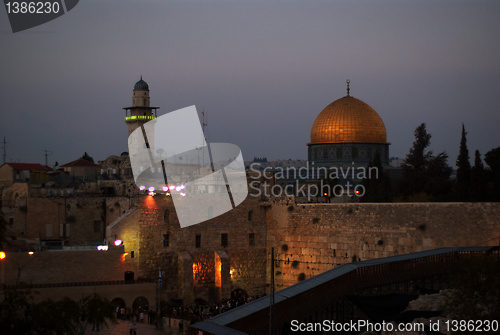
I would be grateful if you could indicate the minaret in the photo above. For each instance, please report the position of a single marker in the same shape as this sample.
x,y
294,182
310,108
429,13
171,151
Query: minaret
x,y
140,112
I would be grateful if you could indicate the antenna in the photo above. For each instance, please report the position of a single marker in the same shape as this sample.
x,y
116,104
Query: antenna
x,y
47,153
4,147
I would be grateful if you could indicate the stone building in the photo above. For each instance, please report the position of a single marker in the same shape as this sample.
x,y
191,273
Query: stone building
x,y
140,112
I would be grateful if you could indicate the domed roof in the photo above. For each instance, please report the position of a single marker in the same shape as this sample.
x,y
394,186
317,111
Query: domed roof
x,y
348,120
141,85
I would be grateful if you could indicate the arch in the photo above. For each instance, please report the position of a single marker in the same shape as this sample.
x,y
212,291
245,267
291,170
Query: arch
x,y
118,302
140,303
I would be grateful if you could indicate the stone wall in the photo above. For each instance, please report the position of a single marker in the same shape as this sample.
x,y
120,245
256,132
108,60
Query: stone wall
x,y
50,267
308,239
42,218
246,262
312,238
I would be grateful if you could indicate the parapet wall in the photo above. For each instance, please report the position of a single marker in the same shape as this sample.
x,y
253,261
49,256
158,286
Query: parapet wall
x,y
76,266
313,238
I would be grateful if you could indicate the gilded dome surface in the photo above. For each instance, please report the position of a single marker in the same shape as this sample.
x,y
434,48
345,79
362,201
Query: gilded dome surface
x,y
348,120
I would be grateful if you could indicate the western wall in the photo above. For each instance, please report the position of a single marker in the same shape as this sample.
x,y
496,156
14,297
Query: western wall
x,y
307,238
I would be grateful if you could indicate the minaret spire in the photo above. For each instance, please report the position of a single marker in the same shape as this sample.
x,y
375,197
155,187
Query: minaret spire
x,y
348,82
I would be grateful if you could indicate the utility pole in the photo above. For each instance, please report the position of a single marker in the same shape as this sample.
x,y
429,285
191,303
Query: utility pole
x,y
47,153
271,295
4,147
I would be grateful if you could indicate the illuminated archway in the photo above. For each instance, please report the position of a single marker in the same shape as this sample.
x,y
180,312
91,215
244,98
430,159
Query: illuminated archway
x,y
140,303
118,302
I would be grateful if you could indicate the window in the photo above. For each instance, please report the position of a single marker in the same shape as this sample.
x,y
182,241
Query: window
x,y
198,241
251,239
166,215
132,254
166,240
250,216
223,240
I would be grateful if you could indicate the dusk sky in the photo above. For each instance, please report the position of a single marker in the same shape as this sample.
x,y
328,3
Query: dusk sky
x,y
261,70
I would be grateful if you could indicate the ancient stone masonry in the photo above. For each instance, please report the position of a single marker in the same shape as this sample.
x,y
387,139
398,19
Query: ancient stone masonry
x,y
235,241
312,238
232,251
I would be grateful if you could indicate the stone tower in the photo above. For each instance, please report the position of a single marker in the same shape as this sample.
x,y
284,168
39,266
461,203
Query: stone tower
x,y
140,112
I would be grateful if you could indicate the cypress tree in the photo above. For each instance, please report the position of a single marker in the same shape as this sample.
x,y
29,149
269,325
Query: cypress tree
x,y
463,169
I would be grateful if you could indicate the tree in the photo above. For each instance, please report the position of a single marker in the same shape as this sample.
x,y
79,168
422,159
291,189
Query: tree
x,y
425,176
56,317
15,310
492,158
478,191
87,157
95,310
462,183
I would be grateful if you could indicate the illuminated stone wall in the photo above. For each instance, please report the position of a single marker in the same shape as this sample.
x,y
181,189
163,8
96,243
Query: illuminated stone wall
x,y
308,239
312,238
246,268
75,266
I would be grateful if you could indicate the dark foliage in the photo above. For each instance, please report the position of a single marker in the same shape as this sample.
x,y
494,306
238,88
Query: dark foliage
x,y
462,183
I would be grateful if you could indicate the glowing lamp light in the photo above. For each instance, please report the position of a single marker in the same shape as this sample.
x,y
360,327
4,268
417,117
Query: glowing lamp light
x,y
151,193
118,243
30,253
165,188
2,255
142,188
183,187
167,194
171,187
178,188
325,194
151,188
103,247
183,194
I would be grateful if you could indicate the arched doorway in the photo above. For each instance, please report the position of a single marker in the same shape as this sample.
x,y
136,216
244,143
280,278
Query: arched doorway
x,y
140,303
120,310
118,302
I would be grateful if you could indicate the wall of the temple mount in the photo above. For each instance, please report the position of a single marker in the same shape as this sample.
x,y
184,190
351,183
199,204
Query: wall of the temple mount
x,y
308,239
312,238
75,266
246,262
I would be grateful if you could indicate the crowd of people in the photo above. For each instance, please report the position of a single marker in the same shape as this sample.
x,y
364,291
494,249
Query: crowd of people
x,y
194,313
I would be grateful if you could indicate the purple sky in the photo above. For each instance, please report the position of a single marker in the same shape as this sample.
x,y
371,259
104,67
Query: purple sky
x,y
261,70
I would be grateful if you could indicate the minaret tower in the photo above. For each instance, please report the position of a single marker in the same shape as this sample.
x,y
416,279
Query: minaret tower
x,y
140,112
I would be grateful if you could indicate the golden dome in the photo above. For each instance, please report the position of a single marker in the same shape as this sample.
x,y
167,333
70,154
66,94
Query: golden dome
x,y
348,120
